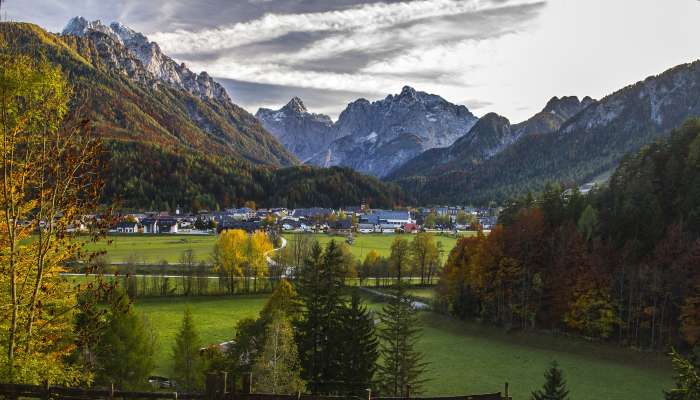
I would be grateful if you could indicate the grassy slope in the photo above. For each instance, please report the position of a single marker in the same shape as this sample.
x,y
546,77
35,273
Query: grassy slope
x,y
154,248
215,318
465,358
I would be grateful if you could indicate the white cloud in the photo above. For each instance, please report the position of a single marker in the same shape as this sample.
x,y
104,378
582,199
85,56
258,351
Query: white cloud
x,y
430,44
364,18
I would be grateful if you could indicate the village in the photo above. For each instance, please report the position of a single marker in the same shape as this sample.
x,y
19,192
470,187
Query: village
x,y
345,220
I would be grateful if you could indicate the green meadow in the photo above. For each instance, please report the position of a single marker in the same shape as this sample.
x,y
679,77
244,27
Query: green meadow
x,y
465,358
144,248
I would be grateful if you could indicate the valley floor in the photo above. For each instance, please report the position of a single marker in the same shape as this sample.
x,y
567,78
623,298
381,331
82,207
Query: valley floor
x,y
145,248
465,358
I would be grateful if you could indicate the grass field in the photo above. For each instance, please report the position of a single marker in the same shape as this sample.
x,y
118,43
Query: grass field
x,y
215,318
464,358
156,248
364,243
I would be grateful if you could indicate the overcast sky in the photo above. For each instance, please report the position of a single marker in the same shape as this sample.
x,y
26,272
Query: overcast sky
x,y
506,56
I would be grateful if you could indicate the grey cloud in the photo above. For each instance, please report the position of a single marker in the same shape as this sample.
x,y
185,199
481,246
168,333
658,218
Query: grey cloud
x,y
289,43
476,104
347,62
196,15
252,95
153,16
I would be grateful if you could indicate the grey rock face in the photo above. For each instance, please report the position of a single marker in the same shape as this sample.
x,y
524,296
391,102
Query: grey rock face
x,y
301,132
377,137
162,67
491,135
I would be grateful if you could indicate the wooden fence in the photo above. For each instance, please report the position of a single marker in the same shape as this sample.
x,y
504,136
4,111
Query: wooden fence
x,y
216,390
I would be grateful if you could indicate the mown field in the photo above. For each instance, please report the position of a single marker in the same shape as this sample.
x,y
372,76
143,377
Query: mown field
x,y
143,248
464,358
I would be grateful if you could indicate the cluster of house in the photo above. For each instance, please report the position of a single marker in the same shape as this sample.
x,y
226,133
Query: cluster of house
x,y
345,220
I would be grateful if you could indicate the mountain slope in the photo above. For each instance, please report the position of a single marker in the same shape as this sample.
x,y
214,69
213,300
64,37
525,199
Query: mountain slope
x,y
491,135
375,137
172,107
300,131
171,142
590,143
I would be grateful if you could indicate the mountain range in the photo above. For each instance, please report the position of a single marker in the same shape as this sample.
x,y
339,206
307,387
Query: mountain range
x,y
492,134
586,145
173,137
370,137
441,153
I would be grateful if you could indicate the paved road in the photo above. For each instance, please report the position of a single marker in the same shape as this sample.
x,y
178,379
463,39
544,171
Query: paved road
x,y
419,305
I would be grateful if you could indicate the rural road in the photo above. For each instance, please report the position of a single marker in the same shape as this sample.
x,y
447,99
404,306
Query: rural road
x,y
419,305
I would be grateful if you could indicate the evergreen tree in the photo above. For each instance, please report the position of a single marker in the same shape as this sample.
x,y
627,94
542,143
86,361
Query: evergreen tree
x,y
188,365
277,369
284,299
687,379
320,328
402,364
360,348
554,386
126,348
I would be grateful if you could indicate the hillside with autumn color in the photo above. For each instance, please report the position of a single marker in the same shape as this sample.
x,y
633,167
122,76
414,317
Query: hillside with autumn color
x,y
618,264
166,146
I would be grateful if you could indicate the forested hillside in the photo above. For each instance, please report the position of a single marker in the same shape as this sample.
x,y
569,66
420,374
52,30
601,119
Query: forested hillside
x,y
150,177
165,146
590,143
619,264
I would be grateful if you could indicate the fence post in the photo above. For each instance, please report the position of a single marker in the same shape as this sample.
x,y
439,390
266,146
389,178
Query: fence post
x,y
232,384
47,390
369,394
248,383
224,383
408,391
506,391
210,386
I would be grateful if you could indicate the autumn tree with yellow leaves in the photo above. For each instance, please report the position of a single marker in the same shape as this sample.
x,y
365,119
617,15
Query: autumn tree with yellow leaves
x,y
49,160
230,256
238,255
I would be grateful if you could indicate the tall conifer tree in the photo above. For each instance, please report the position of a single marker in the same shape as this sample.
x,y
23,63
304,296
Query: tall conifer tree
x,y
554,387
402,365
360,348
188,365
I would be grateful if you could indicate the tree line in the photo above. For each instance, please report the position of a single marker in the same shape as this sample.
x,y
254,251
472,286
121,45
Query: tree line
x,y
617,264
420,258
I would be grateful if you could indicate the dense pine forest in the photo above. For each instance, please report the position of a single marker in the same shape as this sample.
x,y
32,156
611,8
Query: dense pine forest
x,y
618,264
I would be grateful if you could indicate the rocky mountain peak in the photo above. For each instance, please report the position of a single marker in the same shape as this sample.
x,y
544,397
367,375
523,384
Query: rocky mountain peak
x,y
566,106
159,65
408,91
376,137
80,26
301,132
295,106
